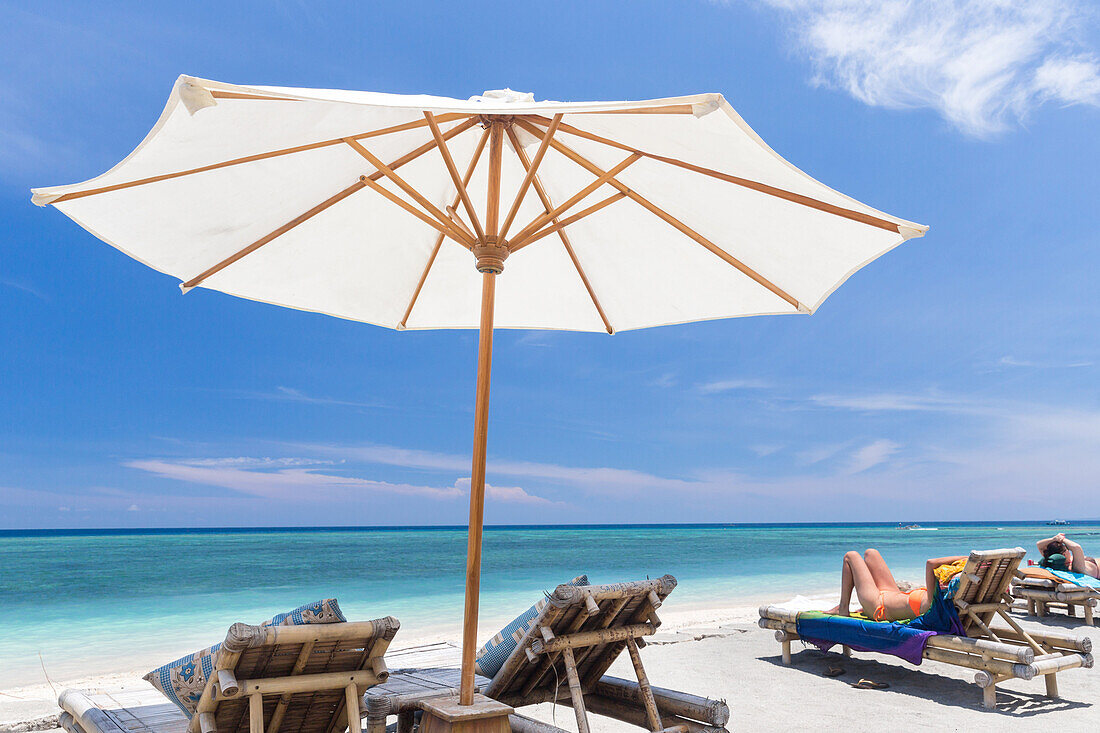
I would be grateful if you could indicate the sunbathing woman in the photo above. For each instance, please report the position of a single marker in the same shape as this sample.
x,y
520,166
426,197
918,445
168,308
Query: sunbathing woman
x,y
878,592
1073,556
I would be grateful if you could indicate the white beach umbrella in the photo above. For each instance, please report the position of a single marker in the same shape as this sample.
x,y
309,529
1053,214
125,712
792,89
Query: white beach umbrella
x,y
401,211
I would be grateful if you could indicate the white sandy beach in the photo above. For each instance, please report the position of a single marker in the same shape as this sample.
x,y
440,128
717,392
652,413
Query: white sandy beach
x,y
722,653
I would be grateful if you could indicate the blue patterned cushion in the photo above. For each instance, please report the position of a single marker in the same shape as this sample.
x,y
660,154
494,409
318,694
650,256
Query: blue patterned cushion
x,y
183,680
492,655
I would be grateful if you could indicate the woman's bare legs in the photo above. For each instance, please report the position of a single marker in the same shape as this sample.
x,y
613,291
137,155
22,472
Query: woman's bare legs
x,y
856,576
884,579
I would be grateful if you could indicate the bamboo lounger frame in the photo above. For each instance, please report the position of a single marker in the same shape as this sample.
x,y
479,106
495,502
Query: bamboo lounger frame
x,y
998,654
275,679
563,658
1041,594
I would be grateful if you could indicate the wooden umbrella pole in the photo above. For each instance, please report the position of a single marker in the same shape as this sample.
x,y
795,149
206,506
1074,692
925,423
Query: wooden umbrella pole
x,y
477,487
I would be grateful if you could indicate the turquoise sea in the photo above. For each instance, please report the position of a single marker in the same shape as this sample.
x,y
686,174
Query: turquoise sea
x,y
96,602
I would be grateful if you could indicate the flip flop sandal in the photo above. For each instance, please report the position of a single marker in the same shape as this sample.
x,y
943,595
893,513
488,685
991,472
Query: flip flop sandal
x,y
833,672
870,685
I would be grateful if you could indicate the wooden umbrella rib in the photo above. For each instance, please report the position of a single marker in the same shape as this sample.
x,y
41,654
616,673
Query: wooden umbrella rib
x,y
671,109
441,143
258,156
449,231
222,94
673,221
532,169
439,239
418,197
411,155
764,188
601,178
548,205
559,224
453,215
277,233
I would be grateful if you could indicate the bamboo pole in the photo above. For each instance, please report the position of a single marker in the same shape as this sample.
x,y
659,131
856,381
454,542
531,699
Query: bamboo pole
x,y
650,704
633,714
307,683
477,488
669,702
256,713
523,724
575,689
591,638
351,705
994,666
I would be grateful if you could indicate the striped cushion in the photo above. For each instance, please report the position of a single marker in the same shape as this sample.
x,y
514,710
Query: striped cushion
x,y
183,680
491,656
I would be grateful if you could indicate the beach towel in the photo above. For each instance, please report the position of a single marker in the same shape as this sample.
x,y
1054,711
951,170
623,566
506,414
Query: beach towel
x,y
903,639
1085,581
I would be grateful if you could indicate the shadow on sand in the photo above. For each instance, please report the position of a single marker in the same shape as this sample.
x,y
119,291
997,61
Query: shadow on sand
x,y
921,683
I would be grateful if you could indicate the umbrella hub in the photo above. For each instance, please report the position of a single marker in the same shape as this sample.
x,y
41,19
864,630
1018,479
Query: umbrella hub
x,y
490,255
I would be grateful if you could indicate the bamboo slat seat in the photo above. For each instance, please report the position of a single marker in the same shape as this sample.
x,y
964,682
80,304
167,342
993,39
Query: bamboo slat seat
x,y
997,653
564,657
269,679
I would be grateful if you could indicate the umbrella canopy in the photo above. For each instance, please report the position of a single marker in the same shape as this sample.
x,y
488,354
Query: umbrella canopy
x,y
402,210
701,219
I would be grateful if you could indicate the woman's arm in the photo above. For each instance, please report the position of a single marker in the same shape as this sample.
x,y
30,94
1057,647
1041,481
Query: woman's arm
x,y
1076,559
931,582
1042,544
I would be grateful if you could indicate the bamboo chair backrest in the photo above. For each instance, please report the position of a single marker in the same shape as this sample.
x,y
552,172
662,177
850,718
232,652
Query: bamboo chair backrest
x,y
522,680
984,581
267,652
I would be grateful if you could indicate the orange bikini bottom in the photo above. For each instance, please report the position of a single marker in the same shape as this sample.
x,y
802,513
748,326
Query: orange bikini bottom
x,y
916,601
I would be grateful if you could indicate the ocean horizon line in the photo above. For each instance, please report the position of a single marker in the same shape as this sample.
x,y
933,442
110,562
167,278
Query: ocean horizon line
x,y
258,529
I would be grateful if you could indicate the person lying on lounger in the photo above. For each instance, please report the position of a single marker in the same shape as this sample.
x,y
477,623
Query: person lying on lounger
x,y
878,593
1060,553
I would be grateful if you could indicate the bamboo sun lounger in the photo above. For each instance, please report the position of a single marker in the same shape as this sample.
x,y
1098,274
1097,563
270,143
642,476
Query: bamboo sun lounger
x,y
563,658
997,653
268,679
1042,592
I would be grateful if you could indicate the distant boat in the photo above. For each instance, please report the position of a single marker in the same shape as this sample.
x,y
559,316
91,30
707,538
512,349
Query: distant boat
x,y
909,526
1057,523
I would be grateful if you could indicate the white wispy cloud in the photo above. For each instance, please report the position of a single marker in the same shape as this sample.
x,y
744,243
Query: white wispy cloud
x,y
818,453
668,379
730,385
18,284
900,402
290,394
512,494
298,479
982,64
871,455
1011,361
288,484
593,479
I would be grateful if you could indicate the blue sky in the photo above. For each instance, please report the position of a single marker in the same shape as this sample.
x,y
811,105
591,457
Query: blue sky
x,y
955,378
